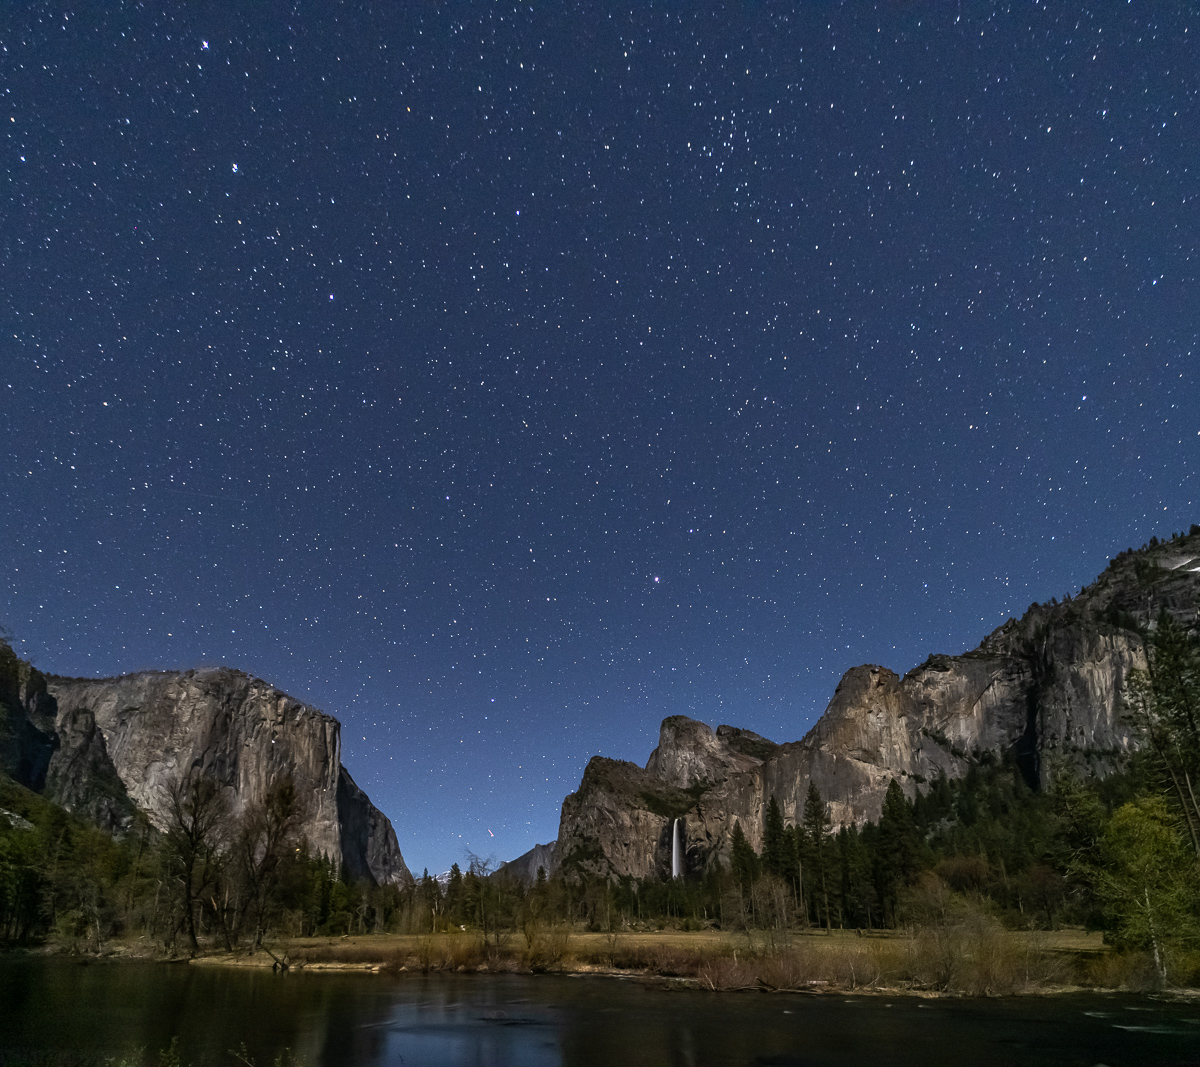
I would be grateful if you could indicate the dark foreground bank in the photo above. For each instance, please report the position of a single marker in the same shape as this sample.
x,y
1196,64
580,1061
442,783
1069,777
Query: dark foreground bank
x,y
56,1010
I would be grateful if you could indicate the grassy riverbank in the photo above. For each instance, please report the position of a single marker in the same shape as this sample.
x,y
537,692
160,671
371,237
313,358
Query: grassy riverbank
x,y
975,959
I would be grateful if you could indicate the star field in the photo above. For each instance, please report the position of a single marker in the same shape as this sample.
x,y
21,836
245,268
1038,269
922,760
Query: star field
x,y
504,379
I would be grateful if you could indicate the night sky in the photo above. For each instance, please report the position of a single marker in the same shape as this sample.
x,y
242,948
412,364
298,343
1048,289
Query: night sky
x,y
502,380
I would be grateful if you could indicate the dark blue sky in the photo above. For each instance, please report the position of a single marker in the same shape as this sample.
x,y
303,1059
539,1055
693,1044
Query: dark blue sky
x,y
502,380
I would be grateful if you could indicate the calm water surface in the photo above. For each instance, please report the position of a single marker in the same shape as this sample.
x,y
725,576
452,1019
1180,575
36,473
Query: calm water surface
x,y
62,1006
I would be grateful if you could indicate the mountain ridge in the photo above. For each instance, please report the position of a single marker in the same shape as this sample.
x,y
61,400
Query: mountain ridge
x,y
1045,686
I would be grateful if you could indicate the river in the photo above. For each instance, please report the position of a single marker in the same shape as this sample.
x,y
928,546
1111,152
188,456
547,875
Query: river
x,y
61,1010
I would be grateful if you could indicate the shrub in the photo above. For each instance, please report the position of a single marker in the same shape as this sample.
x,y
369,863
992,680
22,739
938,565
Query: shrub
x,y
977,956
545,946
1133,971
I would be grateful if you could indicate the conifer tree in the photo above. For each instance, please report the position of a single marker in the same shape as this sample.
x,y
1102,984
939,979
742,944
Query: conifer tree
x,y
792,850
456,904
431,897
816,830
898,848
856,893
743,860
775,841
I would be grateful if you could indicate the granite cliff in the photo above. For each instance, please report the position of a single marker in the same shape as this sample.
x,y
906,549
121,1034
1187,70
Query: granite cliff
x,y
107,748
524,868
1041,689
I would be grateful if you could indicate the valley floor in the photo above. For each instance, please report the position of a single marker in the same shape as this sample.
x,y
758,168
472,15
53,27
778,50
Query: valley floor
x,y
955,960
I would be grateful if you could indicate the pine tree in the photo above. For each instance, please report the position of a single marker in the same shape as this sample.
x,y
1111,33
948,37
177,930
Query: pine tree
x,y
456,904
816,829
775,841
897,850
431,897
856,893
791,867
797,851
743,860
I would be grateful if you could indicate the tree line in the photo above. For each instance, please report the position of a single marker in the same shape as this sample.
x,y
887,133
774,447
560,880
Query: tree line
x,y
209,876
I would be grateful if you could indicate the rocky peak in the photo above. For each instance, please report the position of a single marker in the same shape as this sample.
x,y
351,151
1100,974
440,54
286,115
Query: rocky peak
x,y
524,869
689,752
1046,685
747,743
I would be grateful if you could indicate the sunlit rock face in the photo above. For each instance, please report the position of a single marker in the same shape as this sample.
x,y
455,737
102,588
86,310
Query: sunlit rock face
x,y
689,752
115,745
1043,689
614,823
161,727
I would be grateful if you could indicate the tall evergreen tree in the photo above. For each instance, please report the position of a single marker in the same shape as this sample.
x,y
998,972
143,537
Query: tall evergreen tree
x,y
856,892
816,830
897,849
743,860
791,868
456,903
775,841
430,894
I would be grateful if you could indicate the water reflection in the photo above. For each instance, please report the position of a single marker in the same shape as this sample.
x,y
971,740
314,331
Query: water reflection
x,y
445,1026
447,1031
61,1007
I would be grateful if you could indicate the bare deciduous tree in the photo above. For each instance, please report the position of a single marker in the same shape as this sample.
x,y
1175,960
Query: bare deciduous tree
x,y
197,829
267,835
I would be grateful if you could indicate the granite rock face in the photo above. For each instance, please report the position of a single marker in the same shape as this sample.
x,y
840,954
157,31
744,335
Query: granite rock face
x,y
82,776
525,867
160,727
368,840
107,748
1041,689
27,738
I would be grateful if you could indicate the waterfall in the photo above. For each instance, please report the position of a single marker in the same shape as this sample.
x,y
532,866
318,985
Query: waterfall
x,y
676,850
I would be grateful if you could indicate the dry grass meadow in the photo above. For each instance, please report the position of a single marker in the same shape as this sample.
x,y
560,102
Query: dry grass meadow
x,y
978,958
